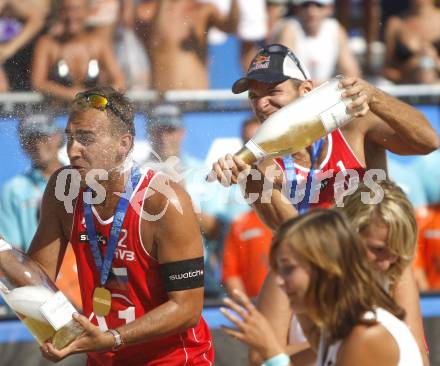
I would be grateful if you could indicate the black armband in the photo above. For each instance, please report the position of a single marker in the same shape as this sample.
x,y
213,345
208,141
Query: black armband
x,y
183,275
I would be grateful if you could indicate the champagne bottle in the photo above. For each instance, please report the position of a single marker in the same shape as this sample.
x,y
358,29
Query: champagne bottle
x,y
26,288
298,124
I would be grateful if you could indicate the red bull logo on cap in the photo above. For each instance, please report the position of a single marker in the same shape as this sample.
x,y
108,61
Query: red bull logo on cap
x,y
260,62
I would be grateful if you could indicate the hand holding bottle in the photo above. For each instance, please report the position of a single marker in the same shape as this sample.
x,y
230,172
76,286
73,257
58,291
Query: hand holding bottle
x,y
92,340
38,303
361,92
228,169
300,123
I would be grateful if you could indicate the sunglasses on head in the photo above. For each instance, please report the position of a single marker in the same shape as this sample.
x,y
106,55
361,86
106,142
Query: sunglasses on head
x,y
277,48
100,102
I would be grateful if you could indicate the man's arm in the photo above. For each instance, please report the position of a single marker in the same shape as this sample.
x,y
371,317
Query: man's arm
x,y
177,236
263,187
391,123
49,243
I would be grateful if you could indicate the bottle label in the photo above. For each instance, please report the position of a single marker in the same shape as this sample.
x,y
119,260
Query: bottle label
x,y
255,149
335,117
4,246
57,310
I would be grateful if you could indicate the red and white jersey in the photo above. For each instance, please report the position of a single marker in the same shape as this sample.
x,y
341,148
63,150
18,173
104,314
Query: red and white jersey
x,y
136,287
339,158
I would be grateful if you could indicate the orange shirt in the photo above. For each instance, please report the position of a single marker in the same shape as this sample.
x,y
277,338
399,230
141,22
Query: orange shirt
x,y
246,252
428,251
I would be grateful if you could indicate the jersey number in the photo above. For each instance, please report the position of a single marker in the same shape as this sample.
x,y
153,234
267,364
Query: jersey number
x,y
128,314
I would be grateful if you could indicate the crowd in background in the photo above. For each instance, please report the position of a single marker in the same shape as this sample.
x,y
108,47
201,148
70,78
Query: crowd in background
x,y
62,47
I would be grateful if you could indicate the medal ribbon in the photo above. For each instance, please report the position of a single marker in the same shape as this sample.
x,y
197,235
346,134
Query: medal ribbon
x,y
105,265
304,205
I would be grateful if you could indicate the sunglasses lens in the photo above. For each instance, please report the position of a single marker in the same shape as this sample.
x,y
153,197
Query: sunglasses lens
x,y
97,101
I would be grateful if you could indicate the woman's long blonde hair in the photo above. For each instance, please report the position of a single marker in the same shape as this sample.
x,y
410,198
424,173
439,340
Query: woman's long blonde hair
x,y
395,211
342,286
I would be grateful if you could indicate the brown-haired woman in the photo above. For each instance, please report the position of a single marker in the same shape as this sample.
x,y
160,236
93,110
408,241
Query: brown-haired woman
x,y
321,265
73,59
384,218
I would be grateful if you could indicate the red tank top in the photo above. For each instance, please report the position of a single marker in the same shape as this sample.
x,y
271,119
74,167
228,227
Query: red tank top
x,y
137,288
339,158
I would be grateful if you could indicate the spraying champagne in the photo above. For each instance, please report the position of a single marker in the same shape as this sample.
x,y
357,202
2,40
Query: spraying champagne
x,y
298,124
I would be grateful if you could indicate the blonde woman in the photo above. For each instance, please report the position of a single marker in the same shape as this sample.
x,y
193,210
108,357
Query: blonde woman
x,y
389,230
388,227
321,265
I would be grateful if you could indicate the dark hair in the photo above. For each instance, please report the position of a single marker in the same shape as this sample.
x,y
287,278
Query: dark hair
x,y
123,119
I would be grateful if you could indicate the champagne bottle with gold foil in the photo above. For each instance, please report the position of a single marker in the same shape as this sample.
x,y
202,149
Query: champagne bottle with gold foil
x,y
38,303
299,124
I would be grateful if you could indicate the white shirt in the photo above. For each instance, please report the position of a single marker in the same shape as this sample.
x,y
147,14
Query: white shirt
x,y
319,53
409,352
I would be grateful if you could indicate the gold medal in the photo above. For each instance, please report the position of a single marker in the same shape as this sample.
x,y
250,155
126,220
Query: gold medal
x,y
102,301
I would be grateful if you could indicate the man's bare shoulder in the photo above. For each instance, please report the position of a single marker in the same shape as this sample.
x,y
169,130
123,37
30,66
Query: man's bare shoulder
x,y
165,197
369,345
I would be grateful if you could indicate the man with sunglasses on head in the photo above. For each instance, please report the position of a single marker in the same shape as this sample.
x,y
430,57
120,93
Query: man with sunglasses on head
x,y
136,240
275,78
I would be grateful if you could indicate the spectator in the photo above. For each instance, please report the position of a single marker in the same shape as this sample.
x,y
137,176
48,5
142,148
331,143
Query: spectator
x,y
20,24
349,319
73,59
427,263
251,29
313,34
175,37
105,15
276,10
412,184
166,131
114,20
413,44
245,261
429,175
21,196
